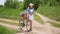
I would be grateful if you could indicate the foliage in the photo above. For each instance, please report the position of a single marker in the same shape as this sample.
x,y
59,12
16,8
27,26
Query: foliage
x,y
35,2
1,6
11,4
50,2
41,3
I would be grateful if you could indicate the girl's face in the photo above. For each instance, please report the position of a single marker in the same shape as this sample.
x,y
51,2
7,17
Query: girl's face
x,y
30,6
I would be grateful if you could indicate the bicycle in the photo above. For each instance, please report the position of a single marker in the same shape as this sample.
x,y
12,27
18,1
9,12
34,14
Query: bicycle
x,y
25,22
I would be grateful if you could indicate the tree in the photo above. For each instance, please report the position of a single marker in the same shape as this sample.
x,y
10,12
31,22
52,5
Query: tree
x,y
11,4
1,5
50,2
35,2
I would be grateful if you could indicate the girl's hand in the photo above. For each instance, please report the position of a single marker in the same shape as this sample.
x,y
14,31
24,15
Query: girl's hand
x,y
31,13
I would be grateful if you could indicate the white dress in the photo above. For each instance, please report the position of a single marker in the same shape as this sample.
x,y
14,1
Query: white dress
x,y
31,17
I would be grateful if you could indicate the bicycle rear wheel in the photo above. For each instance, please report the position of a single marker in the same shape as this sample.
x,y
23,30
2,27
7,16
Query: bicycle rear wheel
x,y
21,24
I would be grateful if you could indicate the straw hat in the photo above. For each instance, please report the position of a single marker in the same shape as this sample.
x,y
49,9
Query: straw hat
x,y
31,4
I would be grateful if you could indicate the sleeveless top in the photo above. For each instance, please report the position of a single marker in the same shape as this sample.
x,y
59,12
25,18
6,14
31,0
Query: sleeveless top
x,y
30,10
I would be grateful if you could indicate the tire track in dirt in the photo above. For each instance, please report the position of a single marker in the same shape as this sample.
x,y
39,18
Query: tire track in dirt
x,y
37,27
46,19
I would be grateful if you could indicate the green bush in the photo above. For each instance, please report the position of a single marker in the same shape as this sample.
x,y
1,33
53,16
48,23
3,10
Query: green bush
x,y
12,4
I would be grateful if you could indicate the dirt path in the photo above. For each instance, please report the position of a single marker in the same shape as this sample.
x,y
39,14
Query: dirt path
x,y
9,25
9,20
46,19
37,27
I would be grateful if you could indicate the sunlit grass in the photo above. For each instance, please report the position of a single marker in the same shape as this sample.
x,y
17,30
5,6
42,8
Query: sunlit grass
x,y
12,23
37,18
55,24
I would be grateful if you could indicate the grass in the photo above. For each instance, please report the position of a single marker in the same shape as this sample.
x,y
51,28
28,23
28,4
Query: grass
x,y
12,23
55,24
10,13
52,12
37,18
6,30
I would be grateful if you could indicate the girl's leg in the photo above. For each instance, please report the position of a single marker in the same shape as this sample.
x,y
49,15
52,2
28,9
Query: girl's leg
x,y
30,25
